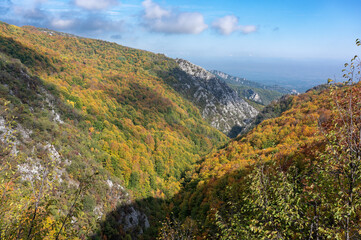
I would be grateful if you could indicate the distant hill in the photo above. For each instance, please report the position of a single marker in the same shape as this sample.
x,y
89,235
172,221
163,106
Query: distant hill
x,y
256,92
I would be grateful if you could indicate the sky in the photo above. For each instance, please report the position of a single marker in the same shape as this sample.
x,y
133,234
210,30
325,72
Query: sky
x,y
292,43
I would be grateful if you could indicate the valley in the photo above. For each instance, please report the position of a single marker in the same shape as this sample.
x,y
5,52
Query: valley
x,y
104,141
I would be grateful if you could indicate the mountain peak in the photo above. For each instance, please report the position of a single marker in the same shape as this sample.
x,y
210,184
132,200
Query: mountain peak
x,y
194,70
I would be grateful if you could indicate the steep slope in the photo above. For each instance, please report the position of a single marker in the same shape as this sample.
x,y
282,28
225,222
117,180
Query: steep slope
x,y
45,164
146,132
222,178
273,110
295,175
105,109
253,91
218,103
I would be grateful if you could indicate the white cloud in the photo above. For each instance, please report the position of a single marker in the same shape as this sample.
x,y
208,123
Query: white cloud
x,y
229,24
62,24
95,4
90,25
248,29
153,10
158,19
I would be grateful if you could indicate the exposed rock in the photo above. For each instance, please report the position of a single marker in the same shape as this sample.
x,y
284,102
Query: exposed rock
x,y
252,95
131,218
3,127
294,92
50,101
194,70
218,103
230,78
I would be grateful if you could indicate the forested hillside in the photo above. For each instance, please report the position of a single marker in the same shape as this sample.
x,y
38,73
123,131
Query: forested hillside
x,y
296,176
144,131
87,109
101,141
48,174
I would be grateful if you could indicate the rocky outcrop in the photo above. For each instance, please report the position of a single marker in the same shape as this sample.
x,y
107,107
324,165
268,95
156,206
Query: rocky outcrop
x,y
194,70
252,95
230,78
219,104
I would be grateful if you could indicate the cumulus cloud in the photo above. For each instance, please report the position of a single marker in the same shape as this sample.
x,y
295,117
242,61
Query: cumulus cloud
x,y
91,24
62,23
158,19
229,24
154,11
248,29
73,20
95,4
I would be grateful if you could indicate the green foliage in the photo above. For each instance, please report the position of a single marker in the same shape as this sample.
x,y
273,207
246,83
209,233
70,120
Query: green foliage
x,y
296,176
266,95
172,229
34,203
268,208
88,203
131,119
101,107
273,110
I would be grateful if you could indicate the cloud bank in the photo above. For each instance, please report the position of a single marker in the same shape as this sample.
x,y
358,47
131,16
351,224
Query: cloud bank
x,y
229,24
95,18
95,4
92,22
158,19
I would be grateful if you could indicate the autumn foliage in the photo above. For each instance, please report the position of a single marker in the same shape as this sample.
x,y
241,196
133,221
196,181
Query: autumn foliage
x,y
138,127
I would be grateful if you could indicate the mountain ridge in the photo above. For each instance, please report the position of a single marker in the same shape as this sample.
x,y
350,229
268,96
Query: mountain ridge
x,y
233,79
218,103
260,94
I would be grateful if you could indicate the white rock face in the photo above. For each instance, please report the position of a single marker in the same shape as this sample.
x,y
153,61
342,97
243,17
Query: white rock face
x,y
30,172
255,97
50,101
110,183
218,103
295,92
98,211
229,77
33,168
252,95
3,127
194,70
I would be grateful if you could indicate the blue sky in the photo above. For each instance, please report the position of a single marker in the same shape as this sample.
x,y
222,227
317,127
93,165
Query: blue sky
x,y
289,42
